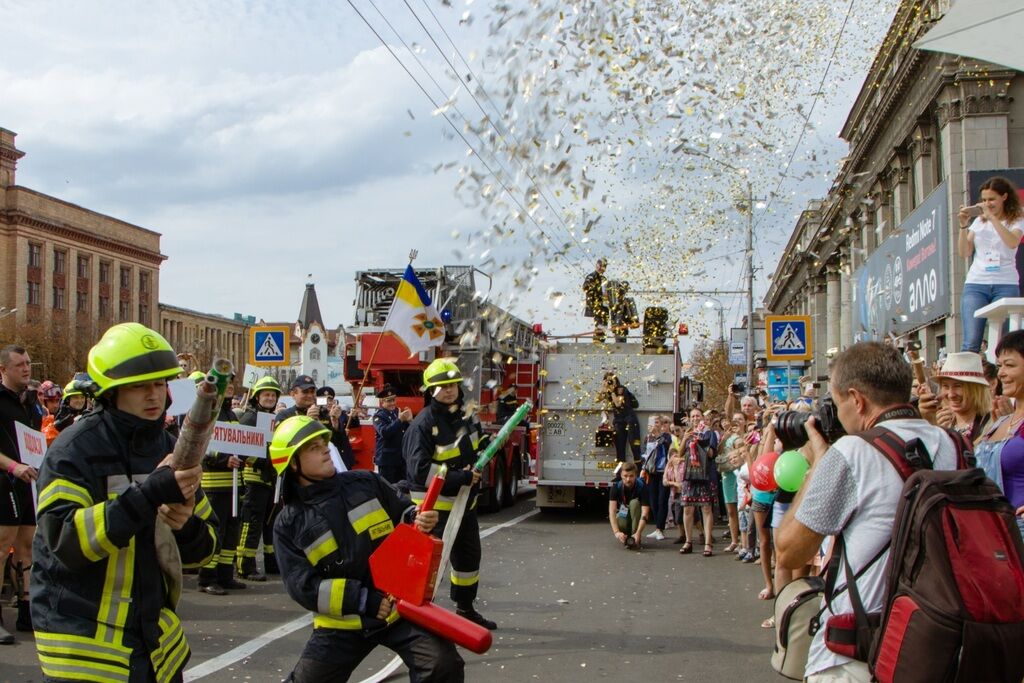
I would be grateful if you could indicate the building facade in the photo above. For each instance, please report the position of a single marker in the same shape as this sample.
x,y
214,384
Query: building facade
x,y
876,258
68,271
205,336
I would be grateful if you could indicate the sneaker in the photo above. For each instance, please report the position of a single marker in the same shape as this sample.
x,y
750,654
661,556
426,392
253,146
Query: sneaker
x,y
257,577
212,589
656,535
748,558
477,618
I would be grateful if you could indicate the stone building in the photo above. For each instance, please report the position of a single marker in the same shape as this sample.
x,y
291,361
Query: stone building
x,y
70,272
313,349
206,336
876,258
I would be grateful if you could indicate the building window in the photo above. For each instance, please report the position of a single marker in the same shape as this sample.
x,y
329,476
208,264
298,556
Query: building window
x,y
314,354
314,373
60,261
82,302
104,306
104,272
83,267
125,311
35,255
144,314
126,277
33,294
144,282
58,299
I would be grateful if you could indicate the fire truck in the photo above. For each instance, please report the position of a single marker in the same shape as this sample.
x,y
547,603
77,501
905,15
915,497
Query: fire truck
x,y
576,444
496,353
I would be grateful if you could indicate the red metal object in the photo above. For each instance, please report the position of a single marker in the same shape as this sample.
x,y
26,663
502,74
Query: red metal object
x,y
459,630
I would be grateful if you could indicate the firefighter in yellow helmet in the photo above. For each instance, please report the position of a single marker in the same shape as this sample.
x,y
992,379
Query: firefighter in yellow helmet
x,y
445,434
330,525
258,509
100,604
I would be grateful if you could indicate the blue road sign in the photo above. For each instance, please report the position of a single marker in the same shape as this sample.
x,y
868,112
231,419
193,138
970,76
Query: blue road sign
x,y
789,337
268,345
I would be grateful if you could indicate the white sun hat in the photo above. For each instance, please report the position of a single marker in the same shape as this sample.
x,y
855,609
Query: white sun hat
x,y
963,366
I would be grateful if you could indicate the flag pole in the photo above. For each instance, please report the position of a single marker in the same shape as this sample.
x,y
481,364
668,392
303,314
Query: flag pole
x,y
373,354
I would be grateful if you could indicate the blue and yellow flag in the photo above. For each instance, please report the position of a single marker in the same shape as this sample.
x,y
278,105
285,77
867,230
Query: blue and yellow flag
x,y
413,318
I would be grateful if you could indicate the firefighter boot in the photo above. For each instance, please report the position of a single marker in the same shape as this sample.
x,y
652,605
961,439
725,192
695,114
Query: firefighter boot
x,y
24,621
5,637
270,564
467,611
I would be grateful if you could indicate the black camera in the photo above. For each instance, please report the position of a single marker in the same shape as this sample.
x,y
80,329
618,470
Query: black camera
x,y
792,431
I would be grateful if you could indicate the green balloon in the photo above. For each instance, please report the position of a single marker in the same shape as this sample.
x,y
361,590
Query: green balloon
x,y
790,470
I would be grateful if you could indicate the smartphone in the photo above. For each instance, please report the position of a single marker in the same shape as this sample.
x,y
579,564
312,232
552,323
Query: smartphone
x,y
321,400
975,210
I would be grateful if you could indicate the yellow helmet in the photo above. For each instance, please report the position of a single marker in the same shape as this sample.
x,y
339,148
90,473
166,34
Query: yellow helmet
x,y
197,376
442,371
129,353
266,383
291,435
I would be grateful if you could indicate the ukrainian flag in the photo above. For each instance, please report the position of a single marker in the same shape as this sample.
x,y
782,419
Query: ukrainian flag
x,y
413,318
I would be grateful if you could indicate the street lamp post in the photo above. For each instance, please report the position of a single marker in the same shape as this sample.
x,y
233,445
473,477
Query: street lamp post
x,y
749,255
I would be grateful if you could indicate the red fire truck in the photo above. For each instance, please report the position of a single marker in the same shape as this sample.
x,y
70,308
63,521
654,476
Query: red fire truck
x,y
496,352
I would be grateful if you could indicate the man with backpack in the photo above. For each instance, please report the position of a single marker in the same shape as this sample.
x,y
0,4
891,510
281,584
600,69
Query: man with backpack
x,y
852,492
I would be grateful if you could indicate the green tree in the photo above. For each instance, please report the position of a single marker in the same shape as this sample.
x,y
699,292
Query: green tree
x,y
710,363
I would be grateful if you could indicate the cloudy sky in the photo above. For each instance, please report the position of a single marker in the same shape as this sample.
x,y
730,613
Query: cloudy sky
x,y
266,141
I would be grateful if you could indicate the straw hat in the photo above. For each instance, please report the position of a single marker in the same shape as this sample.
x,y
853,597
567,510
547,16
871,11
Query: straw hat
x,y
963,366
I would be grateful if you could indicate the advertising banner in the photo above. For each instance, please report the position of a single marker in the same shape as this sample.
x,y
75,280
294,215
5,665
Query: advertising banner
x,y
905,282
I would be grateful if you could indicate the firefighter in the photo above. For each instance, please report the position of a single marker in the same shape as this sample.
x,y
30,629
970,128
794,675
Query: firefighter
x,y
444,433
101,606
217,577
330,525
258,509
390,424
73,405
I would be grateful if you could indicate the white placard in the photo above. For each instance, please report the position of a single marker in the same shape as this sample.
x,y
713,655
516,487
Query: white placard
x,y
266,422
252,374
183,395
240,440
31,445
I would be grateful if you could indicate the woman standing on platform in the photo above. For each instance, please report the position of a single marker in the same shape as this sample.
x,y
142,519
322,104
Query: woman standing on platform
x,y
992,240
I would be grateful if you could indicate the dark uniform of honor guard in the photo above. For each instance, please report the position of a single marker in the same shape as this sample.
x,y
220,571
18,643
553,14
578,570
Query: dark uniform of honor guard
x,y
595,299
260,478
304,392
330,525
390,424
443,434
217,577
102,606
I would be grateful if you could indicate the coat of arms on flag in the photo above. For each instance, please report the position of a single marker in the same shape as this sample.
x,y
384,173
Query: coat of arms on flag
x,y
413,318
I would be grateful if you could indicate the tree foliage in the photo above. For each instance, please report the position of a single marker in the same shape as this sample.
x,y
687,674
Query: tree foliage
x,y
710,363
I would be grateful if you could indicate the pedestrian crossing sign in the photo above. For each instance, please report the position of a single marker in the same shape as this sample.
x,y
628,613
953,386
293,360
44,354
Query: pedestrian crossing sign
x,y
268,345
789,337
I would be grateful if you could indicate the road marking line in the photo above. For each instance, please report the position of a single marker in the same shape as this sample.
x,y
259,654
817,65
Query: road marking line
x,y
249,648
246,649
393,665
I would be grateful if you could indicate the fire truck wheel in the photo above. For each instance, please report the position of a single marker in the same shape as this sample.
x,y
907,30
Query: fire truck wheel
x,y
496,501
512,482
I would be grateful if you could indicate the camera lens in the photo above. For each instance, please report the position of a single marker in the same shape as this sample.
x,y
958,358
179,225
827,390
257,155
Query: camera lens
x,y
791,429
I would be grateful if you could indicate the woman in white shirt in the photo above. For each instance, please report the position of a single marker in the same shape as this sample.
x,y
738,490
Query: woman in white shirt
x,y
992,240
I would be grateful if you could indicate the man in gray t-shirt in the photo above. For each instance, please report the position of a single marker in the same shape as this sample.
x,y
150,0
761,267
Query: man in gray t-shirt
x,y
852,488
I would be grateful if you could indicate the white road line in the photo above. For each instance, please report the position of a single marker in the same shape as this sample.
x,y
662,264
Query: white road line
x,y
247,649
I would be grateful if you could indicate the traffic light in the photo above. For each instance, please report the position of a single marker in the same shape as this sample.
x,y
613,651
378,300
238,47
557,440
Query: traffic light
x,y
684,329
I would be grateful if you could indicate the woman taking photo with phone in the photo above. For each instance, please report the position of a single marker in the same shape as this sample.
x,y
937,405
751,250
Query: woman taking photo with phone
x,y
991,239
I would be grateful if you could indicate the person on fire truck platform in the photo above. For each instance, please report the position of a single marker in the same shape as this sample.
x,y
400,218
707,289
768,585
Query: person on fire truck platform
x,y
390,423
304,393
330,525
101,606
258,509
217,577
444,434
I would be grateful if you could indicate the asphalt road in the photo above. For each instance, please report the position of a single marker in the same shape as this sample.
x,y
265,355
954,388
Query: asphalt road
x,y
571,605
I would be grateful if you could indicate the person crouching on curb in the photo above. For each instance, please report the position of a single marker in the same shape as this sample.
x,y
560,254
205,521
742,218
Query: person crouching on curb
x,y
330,525
629,507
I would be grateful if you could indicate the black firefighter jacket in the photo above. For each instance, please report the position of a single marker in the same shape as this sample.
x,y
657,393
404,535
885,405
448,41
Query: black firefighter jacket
x,y
98,594
441,435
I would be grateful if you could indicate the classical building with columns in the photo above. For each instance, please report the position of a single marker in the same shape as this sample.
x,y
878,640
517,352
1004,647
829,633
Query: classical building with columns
x,y
876,258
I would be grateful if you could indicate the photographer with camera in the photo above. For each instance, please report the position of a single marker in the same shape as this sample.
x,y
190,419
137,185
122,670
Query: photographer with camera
x,y
851,487
320,405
